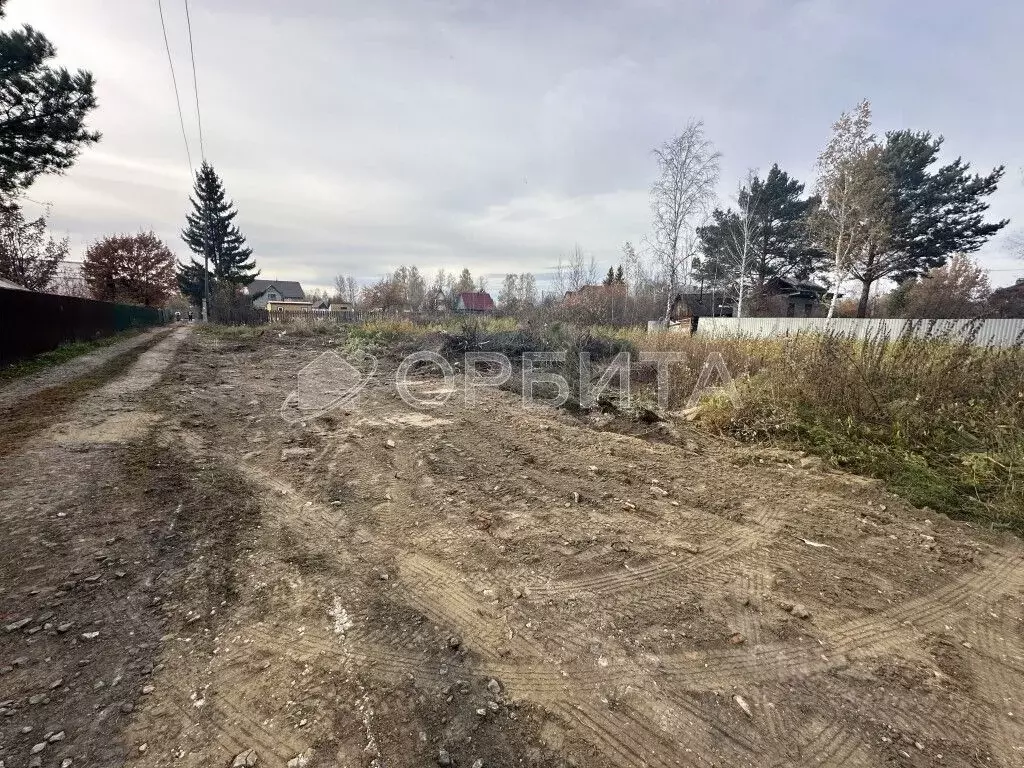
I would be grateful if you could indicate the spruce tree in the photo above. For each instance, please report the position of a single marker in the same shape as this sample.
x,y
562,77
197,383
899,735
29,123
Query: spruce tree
x,y
213,237
620,277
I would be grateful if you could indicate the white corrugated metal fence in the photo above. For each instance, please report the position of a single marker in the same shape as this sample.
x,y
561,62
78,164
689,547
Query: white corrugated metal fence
x,y
999,333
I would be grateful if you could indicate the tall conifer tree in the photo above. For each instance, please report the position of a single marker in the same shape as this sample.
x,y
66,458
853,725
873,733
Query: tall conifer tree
x,y
213,237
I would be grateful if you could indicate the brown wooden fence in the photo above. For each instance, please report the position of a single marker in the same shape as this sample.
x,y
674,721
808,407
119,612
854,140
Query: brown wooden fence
x,y
31,323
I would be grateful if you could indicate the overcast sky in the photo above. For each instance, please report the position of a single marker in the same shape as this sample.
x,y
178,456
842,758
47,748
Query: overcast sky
x,y
357,136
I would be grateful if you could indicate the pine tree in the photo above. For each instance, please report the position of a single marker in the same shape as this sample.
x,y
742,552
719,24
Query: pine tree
x,y
927,216
212,235
782,247
42,110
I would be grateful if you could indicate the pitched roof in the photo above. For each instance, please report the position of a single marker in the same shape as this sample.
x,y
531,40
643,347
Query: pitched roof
x,y
289,289
476,302
789,285
1011,290
12,286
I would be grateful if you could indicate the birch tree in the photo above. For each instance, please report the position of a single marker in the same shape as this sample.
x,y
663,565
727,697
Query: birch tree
x,y
846,183
527,289
688,170
572,272
729,241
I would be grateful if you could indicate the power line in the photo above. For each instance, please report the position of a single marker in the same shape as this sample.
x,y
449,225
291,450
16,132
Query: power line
x,y
174,80
195,81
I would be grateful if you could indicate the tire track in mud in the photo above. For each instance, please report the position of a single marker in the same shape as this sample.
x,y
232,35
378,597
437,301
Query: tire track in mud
x,y
434,592
694,569
225,720
998,575
563,691
719,669
998,672
712,669
676,712
626,740
831,745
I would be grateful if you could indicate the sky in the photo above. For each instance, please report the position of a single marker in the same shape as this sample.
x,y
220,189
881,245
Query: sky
x,y
355,137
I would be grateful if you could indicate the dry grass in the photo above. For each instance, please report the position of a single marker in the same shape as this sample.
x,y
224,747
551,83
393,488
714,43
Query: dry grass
x,y
940,420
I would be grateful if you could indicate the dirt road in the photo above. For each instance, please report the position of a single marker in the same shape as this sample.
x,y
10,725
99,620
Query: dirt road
x,y
187,576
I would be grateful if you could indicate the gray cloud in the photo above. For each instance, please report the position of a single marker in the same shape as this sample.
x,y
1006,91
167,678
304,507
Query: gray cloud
x,y
355,137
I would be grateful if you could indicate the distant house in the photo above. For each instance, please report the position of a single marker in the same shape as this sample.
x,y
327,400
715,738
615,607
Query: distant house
x,y
1008,301
326,305
278,307
590,293
690,306
263,291
780,297
475,303
785,296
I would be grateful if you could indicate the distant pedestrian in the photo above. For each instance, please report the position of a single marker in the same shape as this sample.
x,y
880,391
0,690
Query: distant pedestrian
x,y
190,315
177,317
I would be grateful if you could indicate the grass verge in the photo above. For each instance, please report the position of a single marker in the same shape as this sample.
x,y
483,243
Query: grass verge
x,y
61,354
41,409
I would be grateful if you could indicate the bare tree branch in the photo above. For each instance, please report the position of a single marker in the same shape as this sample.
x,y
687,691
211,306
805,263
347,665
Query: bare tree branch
x,y
688,170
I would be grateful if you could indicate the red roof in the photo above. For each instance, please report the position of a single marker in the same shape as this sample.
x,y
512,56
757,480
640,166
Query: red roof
x,y
476,302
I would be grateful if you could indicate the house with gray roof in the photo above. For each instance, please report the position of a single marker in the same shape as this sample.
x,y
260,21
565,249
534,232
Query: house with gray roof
x,y
263,291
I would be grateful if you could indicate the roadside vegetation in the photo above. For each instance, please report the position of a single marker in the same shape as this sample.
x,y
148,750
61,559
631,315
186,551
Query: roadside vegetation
x,y
61,354
940,421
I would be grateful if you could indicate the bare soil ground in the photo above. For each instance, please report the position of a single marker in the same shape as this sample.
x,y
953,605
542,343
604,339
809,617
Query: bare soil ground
x,y
185,576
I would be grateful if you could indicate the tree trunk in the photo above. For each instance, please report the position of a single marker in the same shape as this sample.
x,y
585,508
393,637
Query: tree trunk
x,y
865,294
837,277
836,280
867,279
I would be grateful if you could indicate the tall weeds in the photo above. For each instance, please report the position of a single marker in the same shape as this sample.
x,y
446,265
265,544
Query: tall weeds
x,y
940,419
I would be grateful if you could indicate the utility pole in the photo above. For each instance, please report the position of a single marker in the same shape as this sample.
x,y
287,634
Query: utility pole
x,y
206,266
